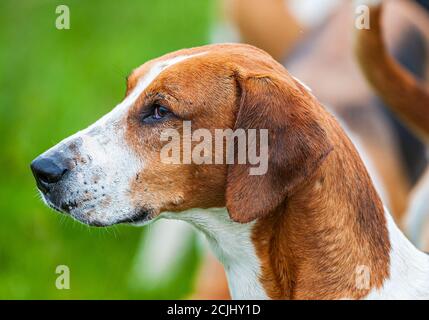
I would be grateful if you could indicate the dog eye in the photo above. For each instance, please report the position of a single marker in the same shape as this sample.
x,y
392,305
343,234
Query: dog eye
x,y
158,112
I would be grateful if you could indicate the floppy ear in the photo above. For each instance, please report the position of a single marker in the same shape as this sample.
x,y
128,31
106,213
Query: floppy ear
x,y
297,145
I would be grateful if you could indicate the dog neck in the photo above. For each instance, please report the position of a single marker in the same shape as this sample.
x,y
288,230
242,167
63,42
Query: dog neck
x,y
232,244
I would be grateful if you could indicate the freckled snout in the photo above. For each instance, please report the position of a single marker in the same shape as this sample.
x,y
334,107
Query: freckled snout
x,y
48,170
84,176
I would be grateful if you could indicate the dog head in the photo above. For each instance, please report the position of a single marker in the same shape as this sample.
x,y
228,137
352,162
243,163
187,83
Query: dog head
x,y
112,172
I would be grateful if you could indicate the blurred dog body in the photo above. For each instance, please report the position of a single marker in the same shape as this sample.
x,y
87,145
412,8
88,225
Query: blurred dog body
x,y
327,65
324,60
409,99
274,25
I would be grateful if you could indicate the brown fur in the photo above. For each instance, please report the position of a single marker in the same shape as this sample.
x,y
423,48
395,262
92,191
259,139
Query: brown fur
x,y
297,143
325,230
319,215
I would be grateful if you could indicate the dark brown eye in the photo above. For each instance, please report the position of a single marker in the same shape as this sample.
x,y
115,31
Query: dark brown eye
x,y
157,113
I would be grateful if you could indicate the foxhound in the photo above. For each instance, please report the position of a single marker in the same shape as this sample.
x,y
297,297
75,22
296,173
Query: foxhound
x,y
312,227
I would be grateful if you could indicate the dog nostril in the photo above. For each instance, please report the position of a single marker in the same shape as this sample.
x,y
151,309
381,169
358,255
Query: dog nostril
x,y
46,171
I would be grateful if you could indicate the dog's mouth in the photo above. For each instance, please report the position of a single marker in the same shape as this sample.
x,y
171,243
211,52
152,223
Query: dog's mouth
x,y
141,217
68,206
50,203
62,207
76,210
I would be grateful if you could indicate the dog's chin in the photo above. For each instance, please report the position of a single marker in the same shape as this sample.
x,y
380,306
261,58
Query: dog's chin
x,y
49,203
137,217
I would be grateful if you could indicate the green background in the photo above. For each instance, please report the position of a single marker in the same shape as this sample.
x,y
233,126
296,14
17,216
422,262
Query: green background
x,y
52,84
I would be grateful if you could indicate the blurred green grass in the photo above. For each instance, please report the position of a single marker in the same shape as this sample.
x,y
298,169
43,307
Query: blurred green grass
x,y
52,84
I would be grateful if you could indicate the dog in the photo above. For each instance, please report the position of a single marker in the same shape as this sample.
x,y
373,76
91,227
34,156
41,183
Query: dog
x,y
304,230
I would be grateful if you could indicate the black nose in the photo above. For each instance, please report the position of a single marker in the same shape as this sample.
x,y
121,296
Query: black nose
x,y
47,170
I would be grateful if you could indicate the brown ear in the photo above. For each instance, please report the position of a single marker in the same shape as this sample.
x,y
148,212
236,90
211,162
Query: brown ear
x,y
297,145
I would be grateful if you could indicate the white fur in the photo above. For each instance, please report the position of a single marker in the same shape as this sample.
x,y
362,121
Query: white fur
x,y
409,269
232,245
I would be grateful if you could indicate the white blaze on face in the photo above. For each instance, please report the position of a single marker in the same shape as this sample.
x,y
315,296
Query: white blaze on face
x,y
105,166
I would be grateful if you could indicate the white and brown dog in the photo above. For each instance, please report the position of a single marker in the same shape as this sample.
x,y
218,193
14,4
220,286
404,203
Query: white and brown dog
x,y
304,230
